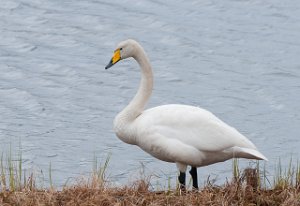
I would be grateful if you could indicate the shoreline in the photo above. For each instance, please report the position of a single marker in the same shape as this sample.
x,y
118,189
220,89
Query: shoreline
x,y
235,193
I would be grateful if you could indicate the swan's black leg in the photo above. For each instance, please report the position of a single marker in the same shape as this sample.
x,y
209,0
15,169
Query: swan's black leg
x,y
193,172
181,179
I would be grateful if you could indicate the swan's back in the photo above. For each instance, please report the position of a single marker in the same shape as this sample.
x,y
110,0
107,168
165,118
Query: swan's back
x,y
190,125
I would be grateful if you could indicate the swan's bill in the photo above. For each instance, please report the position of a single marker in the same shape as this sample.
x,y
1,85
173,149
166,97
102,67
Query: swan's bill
x,y
116,57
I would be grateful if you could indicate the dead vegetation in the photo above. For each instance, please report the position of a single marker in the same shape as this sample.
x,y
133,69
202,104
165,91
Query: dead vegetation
x,y
247,187
244,191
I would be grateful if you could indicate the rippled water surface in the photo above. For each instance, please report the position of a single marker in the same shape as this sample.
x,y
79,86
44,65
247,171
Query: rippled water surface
x,y
238,59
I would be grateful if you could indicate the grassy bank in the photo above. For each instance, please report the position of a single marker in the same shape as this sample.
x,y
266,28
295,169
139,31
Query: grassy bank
x,y
247,187
139,194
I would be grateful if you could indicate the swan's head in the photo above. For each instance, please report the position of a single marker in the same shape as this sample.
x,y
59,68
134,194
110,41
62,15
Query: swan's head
x,y
124,50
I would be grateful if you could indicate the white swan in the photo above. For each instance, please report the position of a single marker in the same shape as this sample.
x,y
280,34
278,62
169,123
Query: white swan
x,y
183,134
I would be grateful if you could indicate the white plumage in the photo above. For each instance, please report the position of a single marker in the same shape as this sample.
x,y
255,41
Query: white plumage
x,y
185,135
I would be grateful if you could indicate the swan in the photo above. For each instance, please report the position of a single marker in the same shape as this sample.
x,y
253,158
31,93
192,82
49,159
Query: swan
x,y
181,134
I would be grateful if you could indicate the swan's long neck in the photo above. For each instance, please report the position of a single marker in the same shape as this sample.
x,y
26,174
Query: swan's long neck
x,y
137,104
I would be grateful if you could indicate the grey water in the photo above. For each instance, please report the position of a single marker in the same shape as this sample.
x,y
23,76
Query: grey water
x,y
238,59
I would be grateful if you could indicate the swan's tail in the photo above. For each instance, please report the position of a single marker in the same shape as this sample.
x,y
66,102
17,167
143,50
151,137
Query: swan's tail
x,y
248,153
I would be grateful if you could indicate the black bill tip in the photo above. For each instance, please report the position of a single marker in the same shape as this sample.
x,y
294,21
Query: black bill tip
x,y
110,64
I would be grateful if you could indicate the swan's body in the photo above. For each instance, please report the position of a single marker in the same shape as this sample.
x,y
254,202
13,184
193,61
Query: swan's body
x,y
183,134
186,134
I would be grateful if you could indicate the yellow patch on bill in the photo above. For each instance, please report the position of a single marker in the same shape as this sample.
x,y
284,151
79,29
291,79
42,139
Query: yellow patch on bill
x,y
116,57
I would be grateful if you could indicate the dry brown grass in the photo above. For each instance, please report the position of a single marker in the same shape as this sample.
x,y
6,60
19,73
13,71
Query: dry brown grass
x,y
238,193
247,188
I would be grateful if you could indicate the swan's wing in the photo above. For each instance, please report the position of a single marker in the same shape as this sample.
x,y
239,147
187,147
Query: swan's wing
x,y
192,126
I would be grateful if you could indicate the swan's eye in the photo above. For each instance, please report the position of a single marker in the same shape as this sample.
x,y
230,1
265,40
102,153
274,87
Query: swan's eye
x,y
121,48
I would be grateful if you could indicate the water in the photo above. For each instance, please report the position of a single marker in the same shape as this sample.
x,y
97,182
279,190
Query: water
x,y
238,59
